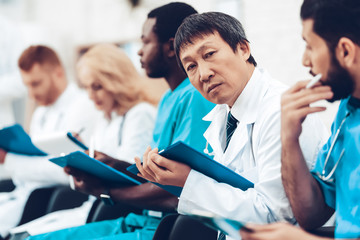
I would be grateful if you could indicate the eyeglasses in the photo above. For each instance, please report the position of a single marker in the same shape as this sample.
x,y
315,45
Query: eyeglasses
x,y
322,175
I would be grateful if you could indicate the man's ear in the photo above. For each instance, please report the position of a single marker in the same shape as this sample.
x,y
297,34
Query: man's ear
x,y
168,48
244,50
58,72
346,52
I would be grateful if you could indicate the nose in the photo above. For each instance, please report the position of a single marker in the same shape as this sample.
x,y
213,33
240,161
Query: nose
x,y
91,94
306,59
205,72
140,52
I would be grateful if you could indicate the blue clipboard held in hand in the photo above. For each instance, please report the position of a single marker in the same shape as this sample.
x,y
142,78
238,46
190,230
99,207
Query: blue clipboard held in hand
x,y
200,162
83,162
75,140
14,139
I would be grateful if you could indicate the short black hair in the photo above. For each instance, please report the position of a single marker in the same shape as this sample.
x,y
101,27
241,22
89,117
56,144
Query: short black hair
x,y
199,25
168,19
333,19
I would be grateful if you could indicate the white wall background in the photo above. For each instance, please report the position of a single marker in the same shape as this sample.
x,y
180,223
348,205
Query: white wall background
x,y
273,28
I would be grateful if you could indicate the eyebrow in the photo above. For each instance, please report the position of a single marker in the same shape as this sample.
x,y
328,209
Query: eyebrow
x,y
204,46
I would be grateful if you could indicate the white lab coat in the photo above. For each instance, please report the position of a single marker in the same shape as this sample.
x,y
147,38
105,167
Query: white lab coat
x,y
12,87
122,138
254,152
126,137
72,111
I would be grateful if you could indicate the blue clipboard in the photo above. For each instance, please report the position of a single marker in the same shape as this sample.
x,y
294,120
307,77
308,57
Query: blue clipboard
x,y
75,140
200,162
94,167
171,189
14,139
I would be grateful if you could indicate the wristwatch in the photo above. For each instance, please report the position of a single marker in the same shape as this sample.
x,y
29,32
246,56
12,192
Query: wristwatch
x,y
106,198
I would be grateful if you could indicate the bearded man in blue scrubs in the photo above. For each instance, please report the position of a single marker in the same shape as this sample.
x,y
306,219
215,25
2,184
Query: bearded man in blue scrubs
x,y
331,30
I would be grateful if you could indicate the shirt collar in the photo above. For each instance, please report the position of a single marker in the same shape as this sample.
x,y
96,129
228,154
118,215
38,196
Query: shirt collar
x,y
246,105
65,97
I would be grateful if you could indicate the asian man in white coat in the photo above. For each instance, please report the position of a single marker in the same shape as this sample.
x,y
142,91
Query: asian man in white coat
x,y
245,126
62,107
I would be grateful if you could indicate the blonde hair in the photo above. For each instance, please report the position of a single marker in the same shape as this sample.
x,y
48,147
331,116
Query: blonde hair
x,y
116,73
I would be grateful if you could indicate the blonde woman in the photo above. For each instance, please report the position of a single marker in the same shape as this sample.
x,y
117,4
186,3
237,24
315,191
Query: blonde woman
x,y
114,86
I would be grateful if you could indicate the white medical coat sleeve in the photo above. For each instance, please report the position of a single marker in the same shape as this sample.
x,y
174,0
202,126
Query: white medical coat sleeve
x,y
266,202
3,173
34,169
136,132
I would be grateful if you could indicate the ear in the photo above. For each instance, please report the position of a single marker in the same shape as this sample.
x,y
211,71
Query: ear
x,y
346,52
168,48
244,50
59,72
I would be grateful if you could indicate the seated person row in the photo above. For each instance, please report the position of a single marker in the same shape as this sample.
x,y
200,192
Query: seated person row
x,y
331,32
224,72
245,126
62,107
179,118
125,130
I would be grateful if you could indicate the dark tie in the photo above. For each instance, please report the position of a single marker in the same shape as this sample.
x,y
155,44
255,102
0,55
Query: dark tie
x,y
222,236
230,128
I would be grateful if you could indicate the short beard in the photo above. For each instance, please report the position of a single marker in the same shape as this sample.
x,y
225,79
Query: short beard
x,y
158,73
340,81
158,67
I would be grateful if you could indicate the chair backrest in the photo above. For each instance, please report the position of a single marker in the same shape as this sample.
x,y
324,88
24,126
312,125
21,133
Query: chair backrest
x,y
100,211
50,199
178,227
64,197
164,229
36,205
6,185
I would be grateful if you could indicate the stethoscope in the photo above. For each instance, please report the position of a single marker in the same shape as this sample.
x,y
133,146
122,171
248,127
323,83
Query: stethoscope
x,y
322,175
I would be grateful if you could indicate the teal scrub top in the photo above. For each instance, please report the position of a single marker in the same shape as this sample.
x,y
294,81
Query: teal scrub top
x,y
343,194
179,118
